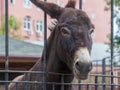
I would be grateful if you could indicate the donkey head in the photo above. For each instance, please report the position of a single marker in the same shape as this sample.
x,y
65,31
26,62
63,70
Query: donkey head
x,y
73,41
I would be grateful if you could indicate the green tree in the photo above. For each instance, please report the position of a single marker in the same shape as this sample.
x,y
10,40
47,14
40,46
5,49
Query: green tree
x,y
117,33
117,21
116,10
14,26
14,23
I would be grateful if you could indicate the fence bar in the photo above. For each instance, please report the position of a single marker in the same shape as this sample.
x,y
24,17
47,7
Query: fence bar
x,y
6,45
80,4
87,87
79,87
103,72
62,82
45,49
35,86
53,86
26,79
112,44
96,82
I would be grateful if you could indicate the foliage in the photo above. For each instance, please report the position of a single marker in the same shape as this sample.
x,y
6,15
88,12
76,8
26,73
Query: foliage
x,y
13,23
2,28
14,26
117,21
116,3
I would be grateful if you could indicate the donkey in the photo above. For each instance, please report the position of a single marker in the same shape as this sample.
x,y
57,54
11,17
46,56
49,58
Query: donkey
x,y
68,49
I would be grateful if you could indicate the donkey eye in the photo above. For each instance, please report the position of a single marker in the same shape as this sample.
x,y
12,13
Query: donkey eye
x,y
65,31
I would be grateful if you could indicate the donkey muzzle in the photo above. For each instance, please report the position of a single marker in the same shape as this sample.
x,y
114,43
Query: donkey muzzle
x,y
82,64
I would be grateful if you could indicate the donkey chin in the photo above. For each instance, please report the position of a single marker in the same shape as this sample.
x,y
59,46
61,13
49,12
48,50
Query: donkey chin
x,y
82,64
79,75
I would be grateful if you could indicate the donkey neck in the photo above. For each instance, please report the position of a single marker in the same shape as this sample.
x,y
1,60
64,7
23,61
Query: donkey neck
x,y
54,64
54,68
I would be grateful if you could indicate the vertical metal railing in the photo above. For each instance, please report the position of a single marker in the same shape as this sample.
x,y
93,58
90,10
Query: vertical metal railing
x,y
62,82
79,85
103,72
80,7
112,43
80,4
45,50
6,46
96,82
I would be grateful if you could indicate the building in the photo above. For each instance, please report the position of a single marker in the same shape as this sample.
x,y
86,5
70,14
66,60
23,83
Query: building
x,y
2,11
32,21
101,20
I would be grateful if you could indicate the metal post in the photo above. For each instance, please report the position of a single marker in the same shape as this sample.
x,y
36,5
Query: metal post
x,y
80,7
79,87
112,44
26,79
53,86
80,4
96,82
62,82
35,85
103,72
6,45
87,87
45,50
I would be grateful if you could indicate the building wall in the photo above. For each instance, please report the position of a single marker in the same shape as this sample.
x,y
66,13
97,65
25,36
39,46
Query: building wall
x,y
2,11
94,9
20,11
99,17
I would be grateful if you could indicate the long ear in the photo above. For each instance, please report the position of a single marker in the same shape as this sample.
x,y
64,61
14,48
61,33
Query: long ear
x,y
71,3
52,9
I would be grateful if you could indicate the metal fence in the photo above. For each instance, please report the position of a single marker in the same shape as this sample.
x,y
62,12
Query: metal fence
x,y
105,74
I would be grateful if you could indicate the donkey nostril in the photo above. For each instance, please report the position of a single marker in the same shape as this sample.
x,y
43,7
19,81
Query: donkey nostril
x,y
81,66
78,65
90,67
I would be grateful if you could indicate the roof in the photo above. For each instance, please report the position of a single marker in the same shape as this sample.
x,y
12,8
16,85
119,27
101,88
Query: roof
x,y
19,47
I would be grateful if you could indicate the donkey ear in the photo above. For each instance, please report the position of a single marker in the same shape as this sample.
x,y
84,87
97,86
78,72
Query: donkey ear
x,y
71,4
52,9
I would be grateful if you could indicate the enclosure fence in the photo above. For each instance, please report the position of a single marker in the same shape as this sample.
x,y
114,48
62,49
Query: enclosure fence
x,y
104,76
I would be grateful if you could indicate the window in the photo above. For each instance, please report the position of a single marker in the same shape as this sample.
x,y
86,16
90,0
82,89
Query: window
x,y
12,1
27,3
39,26
28,24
